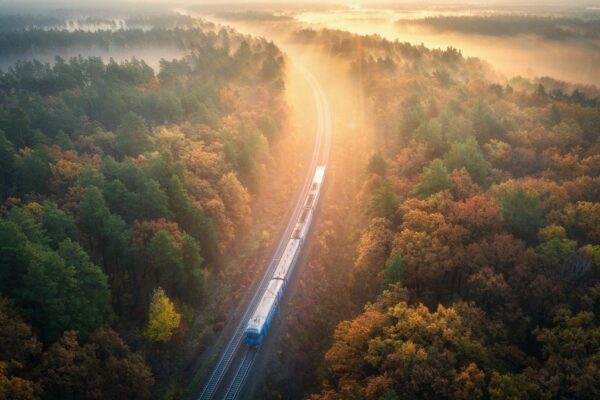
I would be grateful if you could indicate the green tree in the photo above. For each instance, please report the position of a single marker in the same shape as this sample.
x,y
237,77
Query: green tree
x,y
192,219
48,293
430,132
555,117
485,123
64,141
271,68
523,214
7,161
377,165
246,151
384,202
554,242
114,244
389,394
13,257
394,270
18,127
164,256
90,176
121,201
29,223
194,274
57,290
57,224
107,232
93,285
163,319
153,202
133,137
412,115
468,155
93,211
434,178
32,171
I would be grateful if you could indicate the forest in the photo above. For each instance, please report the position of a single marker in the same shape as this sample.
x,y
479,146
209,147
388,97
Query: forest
x,y
548,27
476,273
123,189
455,253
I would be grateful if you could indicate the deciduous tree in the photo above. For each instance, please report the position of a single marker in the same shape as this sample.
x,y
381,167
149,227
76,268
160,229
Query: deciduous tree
x,y
163,319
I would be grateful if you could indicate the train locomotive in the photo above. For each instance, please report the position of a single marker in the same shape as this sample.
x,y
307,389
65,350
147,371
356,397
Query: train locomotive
x,y
259,322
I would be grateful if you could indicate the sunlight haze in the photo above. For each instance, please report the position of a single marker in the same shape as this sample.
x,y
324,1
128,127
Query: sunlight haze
x,y
324,200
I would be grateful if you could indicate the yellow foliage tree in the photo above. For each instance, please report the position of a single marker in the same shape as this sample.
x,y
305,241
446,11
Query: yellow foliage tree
x,y
163,318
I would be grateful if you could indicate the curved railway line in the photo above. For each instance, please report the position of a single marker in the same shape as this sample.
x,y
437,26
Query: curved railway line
x,y
235,362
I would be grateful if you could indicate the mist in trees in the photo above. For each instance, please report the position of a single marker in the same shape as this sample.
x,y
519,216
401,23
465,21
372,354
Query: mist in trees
x,y
474,261
122,190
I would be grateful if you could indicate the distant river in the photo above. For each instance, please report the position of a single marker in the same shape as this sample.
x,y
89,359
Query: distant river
x,y
150,54
526,55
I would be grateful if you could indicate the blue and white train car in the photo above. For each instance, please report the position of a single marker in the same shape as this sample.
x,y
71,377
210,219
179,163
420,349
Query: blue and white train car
x,y
263,315
259,323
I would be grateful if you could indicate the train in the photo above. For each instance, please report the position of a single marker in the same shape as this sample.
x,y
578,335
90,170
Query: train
x,y
260,321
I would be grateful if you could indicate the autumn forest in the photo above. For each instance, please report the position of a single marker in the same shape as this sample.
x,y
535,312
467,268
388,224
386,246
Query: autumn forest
x,y
151,161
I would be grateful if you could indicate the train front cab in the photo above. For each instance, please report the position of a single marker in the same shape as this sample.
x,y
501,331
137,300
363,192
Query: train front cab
x,y
253,337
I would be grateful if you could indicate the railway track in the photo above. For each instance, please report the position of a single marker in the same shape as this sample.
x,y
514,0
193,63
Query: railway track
x,y
234,364
240,375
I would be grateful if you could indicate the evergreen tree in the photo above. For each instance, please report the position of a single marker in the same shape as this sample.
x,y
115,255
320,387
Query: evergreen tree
x,y
92,283
394,270
164,256
7,161
194,274
384,202
57,224
377,165
468,155
133,136
523,214
434,178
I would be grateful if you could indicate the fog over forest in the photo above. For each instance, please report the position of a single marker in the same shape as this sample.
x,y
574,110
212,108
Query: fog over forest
x,y
324,200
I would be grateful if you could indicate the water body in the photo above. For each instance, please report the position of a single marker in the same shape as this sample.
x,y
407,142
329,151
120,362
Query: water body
x,y
575,60
150,54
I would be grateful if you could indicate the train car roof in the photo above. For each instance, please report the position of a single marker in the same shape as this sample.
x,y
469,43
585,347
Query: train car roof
x,y
286,259
319,174
264,307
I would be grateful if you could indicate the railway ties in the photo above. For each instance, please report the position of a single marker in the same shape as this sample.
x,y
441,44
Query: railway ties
x,y
222,366
240,374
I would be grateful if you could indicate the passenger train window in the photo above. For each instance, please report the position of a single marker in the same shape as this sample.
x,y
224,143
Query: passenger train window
x,y
304,215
